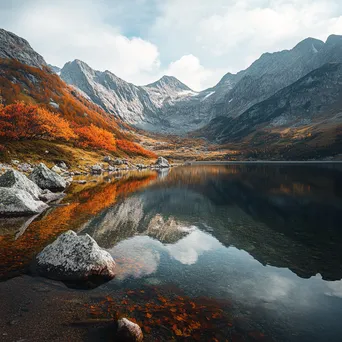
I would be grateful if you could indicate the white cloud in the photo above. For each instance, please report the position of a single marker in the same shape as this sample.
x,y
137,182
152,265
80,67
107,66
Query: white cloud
x,y
223,33
197,41
189,70
334,288
63,33
188,249
135,257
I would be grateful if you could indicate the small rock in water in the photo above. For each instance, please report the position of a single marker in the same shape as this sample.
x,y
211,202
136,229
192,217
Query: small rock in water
x,y
162,163
129,331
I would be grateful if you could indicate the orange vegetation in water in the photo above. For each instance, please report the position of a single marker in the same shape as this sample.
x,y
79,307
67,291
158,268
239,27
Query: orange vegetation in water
x,y
173,317
15,255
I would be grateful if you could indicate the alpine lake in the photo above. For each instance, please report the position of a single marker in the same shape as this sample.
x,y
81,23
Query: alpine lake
x,y
221,252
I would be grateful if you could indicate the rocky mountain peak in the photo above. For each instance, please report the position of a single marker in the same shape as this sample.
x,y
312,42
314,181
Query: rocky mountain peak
x,y
334,39
170,82
228,80
309,45
14,47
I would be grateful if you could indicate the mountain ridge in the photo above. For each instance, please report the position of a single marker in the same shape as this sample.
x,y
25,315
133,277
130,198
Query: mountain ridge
x,y
15,47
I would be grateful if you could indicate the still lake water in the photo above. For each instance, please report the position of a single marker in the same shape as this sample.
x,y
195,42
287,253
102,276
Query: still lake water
x,y
261,245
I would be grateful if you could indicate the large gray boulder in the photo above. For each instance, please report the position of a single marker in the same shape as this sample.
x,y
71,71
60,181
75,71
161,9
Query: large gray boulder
x,y
16,202
16,180
162,163
47,179
73,258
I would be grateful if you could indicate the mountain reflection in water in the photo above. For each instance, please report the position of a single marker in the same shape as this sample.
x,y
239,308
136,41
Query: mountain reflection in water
x,y
284,216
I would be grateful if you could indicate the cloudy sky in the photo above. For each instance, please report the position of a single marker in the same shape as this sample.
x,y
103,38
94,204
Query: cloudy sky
x,y
197,41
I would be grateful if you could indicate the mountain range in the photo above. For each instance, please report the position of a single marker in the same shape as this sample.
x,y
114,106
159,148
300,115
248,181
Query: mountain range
x,y
280,93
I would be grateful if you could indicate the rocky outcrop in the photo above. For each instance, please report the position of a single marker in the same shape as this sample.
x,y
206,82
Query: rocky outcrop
x,y
129,331
14,47
75,259
16,202
47,179
162,163
16,180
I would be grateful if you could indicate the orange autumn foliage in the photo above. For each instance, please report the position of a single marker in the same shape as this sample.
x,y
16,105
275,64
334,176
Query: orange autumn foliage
x,y
27,121
96,137
20,82
132,148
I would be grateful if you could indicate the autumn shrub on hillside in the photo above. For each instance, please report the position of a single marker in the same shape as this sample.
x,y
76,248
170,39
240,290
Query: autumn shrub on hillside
x,y
96,137
132,148
22,82
27,121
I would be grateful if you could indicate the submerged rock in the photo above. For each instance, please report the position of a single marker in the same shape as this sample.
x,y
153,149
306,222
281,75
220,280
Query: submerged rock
x,y
47,179
16,202
162,163
15,180
75,259
129,331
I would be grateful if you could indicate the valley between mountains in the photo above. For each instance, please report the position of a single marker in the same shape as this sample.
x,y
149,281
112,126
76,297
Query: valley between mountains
x,y
285,106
